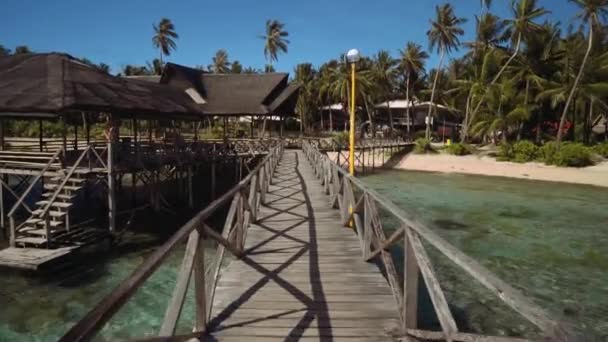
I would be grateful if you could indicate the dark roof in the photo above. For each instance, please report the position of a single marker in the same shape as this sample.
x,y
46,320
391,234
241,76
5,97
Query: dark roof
x,y
229,94
59,83
286,101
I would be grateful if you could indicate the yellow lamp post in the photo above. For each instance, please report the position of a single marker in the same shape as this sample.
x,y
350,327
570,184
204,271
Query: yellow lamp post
x,y
352,56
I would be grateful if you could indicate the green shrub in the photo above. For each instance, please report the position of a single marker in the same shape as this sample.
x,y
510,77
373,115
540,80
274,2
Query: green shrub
x,y
576,155
459,149
505,152
548,152
601,149
422,146
341,138
524,151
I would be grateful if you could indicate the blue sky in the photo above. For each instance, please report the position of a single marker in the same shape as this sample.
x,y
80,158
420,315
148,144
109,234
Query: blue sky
x,y
118,32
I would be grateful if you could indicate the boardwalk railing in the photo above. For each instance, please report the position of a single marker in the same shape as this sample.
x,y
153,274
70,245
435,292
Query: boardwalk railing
x,y
361,212
245,199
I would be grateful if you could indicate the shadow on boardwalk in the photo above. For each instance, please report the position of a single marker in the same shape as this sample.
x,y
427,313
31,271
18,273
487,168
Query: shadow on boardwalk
x,y
302,277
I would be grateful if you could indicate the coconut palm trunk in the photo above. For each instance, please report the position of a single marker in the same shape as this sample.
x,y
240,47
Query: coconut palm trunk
x,y
497,77
428,116
407,100
562,121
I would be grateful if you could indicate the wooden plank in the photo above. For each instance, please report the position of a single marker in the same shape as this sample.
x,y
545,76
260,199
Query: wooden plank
x,y
174,309
446,320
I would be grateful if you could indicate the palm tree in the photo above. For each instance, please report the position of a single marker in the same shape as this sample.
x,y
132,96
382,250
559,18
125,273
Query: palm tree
x,y
221,63
443,35
104,67
156,67
4,51
384,75
274,40
268,68
305,77
250,70
236,68
22,49
412,65
521,25
524,12
592,11
163,39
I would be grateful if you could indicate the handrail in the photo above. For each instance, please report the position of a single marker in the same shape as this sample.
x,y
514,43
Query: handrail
x,y
33,183
232,238
363,213
64,182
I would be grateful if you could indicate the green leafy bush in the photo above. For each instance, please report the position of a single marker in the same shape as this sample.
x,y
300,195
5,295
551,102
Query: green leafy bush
x,y
459,149
571,154
341,138
422,146
601,149
548,152
505,152
524,151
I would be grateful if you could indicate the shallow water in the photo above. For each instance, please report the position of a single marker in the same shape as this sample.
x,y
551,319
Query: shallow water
x,y
43,308
550,240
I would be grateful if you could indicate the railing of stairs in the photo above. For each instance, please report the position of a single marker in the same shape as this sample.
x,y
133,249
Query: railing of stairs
x,y
88,152
21,201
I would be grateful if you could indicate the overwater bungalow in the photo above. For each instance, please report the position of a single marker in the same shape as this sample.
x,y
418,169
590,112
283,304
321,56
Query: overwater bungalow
x,y
47,183
410,116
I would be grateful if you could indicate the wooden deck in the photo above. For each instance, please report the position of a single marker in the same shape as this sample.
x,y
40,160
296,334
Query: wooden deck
x,y
31,258
302,276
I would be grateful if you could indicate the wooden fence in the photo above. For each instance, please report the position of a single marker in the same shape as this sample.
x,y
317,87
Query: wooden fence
x,y
359,205
245,199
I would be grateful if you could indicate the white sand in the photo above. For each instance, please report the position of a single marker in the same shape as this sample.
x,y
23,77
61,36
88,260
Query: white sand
x,y
487,166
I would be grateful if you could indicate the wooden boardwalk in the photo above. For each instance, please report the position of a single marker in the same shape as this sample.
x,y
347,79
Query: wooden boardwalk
x,y
302,276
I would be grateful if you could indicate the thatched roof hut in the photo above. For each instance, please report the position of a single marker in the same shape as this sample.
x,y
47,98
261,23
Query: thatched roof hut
x,y
53,83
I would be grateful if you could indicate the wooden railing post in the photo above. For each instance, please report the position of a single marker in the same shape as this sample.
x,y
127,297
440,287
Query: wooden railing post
x,y
409,313
200,288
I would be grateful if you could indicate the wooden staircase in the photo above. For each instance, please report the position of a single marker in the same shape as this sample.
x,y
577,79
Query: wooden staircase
x,y
34,232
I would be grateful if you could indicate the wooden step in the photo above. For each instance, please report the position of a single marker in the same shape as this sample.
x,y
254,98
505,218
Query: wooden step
x,y
52,213
42,232
52,224
25,153
62,205
72,179
31,240
67,187
60,196
29,227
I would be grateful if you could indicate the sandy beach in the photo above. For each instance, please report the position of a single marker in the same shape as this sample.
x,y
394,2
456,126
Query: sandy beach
x,y
480,165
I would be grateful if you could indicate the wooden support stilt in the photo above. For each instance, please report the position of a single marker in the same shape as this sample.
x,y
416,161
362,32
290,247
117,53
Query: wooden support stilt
x,y
1,134
213,173
64,134
40,135
134,189
111,189
251,128
282,124
87,128
190,194
75,136
150,131
2,202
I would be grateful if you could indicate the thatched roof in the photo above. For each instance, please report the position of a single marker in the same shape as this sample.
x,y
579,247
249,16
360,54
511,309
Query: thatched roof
x,y
286,101
58,83
233,94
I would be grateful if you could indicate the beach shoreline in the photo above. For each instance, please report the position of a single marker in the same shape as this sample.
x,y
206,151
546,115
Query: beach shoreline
x,y
596,175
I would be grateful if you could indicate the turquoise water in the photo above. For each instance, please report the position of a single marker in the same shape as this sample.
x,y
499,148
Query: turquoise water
x,y
550,240
43,308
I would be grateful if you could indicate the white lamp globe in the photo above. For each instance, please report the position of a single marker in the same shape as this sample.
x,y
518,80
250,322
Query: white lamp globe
x,y
353,56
